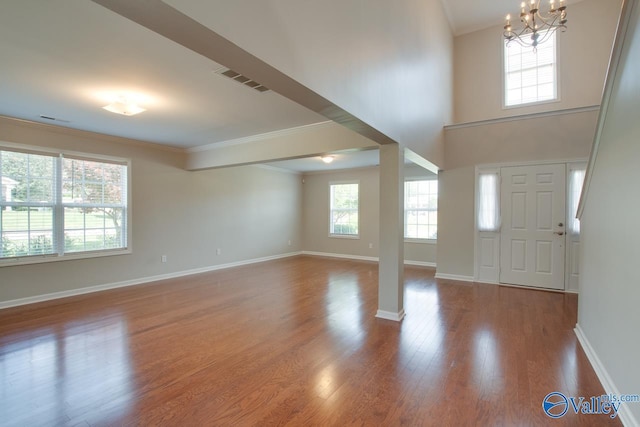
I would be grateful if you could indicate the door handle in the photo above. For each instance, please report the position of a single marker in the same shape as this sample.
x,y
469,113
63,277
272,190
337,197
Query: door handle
x,y
559,233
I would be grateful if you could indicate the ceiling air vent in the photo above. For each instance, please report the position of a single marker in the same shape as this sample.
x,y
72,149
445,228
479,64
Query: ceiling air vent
x,y
241,79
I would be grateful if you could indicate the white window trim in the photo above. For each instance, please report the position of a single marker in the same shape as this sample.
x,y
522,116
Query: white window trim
x,y
416,239
343,236
558,97
38,259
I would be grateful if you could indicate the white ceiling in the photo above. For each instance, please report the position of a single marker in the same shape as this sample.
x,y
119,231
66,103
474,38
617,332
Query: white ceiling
x,y
466,16
64,59
67,59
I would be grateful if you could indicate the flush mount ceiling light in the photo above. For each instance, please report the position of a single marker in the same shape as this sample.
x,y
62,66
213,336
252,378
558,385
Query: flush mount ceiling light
x,y
124,107
326,159
537,26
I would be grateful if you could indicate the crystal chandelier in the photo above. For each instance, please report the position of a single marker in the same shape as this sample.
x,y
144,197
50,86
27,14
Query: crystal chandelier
x,y
537,26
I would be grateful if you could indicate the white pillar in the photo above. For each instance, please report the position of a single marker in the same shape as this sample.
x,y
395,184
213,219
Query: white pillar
x,y
391,267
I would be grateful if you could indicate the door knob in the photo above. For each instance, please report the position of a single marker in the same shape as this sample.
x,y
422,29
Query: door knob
x,y
559,233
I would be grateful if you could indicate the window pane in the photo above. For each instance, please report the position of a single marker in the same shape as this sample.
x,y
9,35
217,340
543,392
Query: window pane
x,y
421,209
576,179
26,205
95,204
488,202
343,209
546,91
530,75
529,94
93,210
514,97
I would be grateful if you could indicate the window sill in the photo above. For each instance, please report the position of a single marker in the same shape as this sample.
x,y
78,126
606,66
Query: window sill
x,y
345,236
421,241
531,104
39,259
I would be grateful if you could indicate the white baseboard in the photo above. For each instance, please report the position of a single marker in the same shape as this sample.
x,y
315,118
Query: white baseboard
x,y
420,263
389,315
341,256
486,282
366,258
139,281
625,415
457,277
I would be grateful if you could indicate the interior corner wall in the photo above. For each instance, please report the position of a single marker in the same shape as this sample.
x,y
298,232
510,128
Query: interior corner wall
x,y
583,53
608,314
248,212
315,214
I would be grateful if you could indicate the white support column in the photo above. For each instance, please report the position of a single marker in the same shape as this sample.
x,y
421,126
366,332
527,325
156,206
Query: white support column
x,y
391,267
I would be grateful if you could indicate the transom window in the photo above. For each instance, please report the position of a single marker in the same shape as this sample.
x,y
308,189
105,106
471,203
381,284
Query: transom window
x,y
530,75
343,216
421,209
53,204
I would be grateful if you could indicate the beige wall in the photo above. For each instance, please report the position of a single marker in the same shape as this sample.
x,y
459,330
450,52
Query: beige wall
x,y
315,214
455,221
562,136
608,314
559,137
390,64
248,212
583,54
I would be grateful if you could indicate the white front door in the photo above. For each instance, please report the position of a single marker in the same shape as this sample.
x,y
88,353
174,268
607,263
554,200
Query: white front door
x,y
532,238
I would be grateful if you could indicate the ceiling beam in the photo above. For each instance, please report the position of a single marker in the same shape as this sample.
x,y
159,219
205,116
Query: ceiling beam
x,y
169,22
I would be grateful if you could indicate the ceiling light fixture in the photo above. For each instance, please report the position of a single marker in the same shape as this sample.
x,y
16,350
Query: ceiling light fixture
x,y
327,159
537,27
124,107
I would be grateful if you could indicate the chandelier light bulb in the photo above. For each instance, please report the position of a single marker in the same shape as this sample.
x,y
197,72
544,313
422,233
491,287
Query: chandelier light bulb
x,y
536,25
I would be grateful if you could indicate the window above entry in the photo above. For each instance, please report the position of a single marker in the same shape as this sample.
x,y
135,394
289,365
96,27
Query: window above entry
x,y
530,75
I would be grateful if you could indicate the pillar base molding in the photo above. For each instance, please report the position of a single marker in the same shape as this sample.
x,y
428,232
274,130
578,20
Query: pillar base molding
x,y
396,317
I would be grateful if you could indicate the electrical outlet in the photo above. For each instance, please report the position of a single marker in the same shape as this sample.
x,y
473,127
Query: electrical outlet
x,y
218,251
370,245
289,243
163,258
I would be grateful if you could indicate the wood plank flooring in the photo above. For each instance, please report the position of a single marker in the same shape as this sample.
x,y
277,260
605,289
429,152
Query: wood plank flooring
x,y
293,342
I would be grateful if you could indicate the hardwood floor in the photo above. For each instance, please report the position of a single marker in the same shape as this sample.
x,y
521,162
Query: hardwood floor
x,y
293,342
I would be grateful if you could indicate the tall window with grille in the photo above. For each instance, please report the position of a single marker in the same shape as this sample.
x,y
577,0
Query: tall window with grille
x,y
343,215
530,75
421,209
56,204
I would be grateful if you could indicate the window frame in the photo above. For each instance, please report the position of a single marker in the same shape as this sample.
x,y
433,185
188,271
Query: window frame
x,y
404,211
574,194
58,216
557,74
340,235
497,226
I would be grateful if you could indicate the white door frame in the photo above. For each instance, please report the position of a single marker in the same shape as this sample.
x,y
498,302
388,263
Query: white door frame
x,y
487,268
